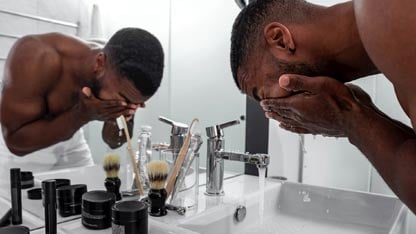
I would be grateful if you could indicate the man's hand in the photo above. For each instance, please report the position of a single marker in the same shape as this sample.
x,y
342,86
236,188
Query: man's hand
x,y
321,105
92,108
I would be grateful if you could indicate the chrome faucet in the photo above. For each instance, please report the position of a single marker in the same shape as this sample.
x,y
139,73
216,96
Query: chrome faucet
x,y
216,156
178,135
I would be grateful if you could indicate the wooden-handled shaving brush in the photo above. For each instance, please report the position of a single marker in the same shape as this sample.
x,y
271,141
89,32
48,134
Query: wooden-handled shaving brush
x,y
158,173
111,167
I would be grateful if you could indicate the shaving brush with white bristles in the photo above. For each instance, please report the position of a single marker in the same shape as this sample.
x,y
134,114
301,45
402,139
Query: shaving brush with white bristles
x,y
111,167
158,173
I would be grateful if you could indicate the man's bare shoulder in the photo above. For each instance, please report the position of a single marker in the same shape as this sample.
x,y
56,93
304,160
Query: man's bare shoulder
x,y
32,62
387,31
388,34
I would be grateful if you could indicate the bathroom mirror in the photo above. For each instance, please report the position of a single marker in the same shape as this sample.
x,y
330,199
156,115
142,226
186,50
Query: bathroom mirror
x,y
197,79
195,36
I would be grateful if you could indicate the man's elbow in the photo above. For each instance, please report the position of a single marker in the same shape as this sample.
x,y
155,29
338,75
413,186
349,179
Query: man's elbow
x,y
16,149
18,152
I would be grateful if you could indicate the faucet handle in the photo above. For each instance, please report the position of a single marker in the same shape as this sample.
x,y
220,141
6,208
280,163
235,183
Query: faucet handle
x,y
177,127
228,124
217,130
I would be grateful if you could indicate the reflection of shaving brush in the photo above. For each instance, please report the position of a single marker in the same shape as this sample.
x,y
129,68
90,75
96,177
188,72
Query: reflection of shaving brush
x,y
158,173
111,167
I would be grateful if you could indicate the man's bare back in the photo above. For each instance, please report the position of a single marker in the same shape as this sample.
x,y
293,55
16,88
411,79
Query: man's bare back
x,y
388,34
51,59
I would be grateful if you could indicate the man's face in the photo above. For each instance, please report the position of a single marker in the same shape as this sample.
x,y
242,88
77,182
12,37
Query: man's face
x,y
112,86
260,78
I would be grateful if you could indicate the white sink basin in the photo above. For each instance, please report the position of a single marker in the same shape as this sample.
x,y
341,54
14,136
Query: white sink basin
x,y
298,208
289,208
155,227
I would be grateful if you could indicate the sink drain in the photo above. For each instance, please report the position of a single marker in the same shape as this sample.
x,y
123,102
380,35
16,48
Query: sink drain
x,y
240,213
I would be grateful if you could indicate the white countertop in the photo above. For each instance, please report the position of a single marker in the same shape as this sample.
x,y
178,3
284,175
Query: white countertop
x,y
93,177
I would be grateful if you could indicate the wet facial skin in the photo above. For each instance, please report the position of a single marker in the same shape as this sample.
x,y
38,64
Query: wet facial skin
x,y
263,82
111,86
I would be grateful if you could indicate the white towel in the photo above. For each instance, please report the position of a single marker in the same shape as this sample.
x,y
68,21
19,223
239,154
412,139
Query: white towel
x,y
71,153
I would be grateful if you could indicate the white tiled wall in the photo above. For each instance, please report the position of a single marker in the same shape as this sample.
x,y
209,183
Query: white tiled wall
x,y
68,10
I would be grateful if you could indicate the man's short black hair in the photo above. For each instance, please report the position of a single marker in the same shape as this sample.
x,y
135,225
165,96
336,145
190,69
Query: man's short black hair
x,y
138,55
249,24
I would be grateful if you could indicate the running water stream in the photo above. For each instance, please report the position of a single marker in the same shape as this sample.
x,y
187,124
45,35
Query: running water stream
x,y
262,180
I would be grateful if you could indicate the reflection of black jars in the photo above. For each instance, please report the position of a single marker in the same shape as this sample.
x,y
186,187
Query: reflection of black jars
x,y
113,186
157,199
69,199
96,209
129,217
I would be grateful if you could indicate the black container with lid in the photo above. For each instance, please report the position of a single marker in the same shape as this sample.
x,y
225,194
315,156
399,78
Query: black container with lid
x,y
15,230
130,217
34,194
27,179
96,209
69,199
62,182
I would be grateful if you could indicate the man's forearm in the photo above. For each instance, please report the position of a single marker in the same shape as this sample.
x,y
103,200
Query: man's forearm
x,y
43,133
391,148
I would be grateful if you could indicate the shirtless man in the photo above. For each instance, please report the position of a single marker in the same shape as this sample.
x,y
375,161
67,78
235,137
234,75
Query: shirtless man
x,y
284,52
54,84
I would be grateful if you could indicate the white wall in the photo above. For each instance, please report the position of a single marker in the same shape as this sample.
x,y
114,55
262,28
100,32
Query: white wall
x,y
202,85
68,10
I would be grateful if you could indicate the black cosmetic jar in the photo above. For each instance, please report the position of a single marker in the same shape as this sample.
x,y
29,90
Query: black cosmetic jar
x,y
27,180
69,199
62,182
129,217
34,194
96,209
15,230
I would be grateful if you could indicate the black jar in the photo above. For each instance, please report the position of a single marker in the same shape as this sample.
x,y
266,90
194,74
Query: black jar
x,y
62,182
27,180
15,230
69,199
96,209
130,217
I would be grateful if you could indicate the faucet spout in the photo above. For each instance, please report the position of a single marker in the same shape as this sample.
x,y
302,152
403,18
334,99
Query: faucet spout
x,y
216,156
260,160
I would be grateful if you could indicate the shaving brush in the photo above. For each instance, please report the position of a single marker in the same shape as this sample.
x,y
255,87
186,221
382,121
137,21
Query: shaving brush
x,y
158,173
111,167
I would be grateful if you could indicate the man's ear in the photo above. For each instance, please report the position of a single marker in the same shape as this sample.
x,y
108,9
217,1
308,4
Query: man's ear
x,y
279,40
99,66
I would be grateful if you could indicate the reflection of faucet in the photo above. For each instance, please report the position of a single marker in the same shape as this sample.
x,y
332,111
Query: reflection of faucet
x,y
216,156
178,135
